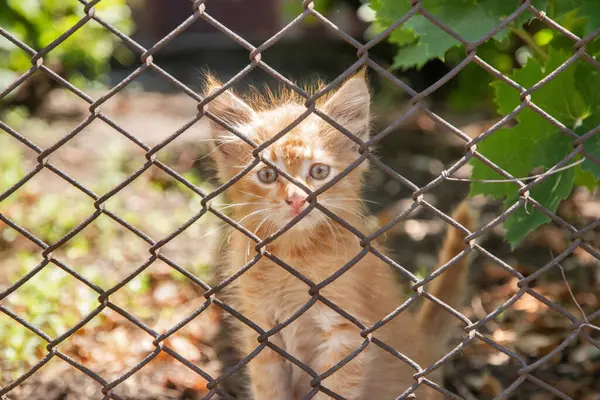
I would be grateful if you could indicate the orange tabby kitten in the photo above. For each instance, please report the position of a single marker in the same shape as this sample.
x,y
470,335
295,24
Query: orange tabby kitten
x,y
263,201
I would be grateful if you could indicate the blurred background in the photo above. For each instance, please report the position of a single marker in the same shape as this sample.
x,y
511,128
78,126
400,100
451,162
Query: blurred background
x,y
151,108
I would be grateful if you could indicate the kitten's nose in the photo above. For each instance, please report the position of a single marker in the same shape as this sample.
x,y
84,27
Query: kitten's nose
x,y
296,201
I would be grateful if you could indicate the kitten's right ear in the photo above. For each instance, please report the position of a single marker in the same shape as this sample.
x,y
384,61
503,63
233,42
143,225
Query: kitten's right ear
x,y
226,106
231,110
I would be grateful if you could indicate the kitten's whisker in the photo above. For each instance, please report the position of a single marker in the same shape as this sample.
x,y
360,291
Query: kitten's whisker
x,y
213,231
241,222
255,233
260,224
343,207
348,210
226,206
352,198
215,149
246,193
226,237
355,210
328,225
253,213
207,140
337,228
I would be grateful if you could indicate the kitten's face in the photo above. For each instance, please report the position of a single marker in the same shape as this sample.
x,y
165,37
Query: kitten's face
x,y
313,153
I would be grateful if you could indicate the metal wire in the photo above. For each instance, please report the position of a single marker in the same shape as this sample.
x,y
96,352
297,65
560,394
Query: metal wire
x,y
200,10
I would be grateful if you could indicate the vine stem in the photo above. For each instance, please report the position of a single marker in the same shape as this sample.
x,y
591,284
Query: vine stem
x,y
526,37
523,179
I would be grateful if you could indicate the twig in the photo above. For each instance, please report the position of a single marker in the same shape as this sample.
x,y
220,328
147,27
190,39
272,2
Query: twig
x,y
481,313
564,276
527,178
526,37
585,318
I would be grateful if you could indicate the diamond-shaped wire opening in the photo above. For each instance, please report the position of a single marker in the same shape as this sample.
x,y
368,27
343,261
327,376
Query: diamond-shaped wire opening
x,y
18,163
23,348
539,348
96,148
122,251
487,369
67,378
168,202
46,300
130,347
48,220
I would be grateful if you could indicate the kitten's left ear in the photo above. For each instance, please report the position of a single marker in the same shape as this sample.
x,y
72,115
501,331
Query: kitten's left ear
x,y
350,106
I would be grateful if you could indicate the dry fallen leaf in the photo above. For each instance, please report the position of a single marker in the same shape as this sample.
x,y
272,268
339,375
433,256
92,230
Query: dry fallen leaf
x,y
184,347
495,272
528,304
535,344
542,396
502,336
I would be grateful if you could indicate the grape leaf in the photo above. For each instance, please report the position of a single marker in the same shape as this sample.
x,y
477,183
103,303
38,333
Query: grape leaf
x,y
592,145
557,97
506,97
549,193
433,43
585,178
589,10
511,149
587,80
533,142
471,19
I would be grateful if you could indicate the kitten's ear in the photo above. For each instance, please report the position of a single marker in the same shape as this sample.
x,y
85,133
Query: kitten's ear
x,y
227,106
232,110
350,106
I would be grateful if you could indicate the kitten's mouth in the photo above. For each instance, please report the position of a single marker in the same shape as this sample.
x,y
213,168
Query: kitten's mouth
x,y
294,212
305,222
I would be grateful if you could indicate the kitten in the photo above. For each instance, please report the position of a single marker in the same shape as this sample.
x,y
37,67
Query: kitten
x,y
263,201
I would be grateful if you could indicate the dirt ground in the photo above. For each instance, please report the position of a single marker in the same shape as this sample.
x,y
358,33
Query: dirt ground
x,y
154,203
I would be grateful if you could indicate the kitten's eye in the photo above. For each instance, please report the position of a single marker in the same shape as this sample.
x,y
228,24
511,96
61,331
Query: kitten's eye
x,y
267,175
320,171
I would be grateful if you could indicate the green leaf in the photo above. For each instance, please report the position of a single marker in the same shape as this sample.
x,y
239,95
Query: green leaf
x,y
592,145
415,55
389,11
548,193
402,37
526,16
587,80
507,98
473,90
471,19
512,149
557,97
533,142
590,10
585,178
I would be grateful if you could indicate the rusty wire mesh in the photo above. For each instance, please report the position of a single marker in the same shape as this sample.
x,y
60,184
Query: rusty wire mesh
x,y
201,10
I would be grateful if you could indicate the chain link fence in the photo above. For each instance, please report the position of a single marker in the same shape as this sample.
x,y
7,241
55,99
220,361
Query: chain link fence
x,y
201,10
